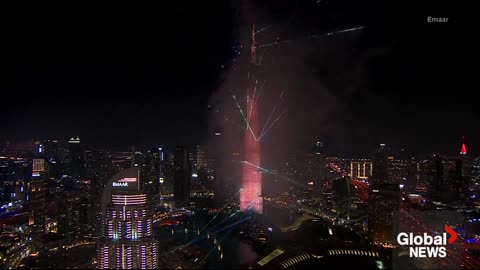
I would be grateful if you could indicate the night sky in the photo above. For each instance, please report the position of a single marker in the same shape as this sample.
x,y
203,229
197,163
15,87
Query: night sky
x,y
145,73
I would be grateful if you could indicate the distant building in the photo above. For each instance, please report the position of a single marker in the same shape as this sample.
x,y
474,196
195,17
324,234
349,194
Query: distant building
x,y
413,170
166,173
52,156
151,176
37,204
182,178
38,167
77,158
381,165
361,168
201,158
126,241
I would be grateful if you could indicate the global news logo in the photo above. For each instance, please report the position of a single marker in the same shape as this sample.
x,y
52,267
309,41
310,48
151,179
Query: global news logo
x,y
427,246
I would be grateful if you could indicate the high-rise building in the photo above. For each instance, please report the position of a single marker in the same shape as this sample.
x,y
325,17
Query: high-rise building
x,y
37,203
100,169
383,202
126,241
38,167
52,156
413,170
380,164
166,173
182,178
77,158
201,158
383,213
151,176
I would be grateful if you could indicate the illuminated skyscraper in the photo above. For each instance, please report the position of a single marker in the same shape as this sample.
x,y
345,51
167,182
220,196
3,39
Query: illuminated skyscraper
x,y
126,241
251,194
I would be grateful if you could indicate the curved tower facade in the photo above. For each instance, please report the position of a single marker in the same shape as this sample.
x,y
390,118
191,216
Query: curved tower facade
x,y
126,240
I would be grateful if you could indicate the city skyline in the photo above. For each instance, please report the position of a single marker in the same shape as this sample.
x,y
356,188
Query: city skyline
x,y
239,134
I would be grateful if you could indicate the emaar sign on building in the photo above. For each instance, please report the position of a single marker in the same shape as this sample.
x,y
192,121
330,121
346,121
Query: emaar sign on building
x,y
125,182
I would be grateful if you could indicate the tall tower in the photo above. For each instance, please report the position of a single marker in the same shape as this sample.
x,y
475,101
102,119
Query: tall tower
x,y
383,202
182,178
460,182
251,193
126,240
77,158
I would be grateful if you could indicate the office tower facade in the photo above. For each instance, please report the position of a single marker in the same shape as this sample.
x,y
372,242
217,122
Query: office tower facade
x,y
126,241
182,178
76,158
383,202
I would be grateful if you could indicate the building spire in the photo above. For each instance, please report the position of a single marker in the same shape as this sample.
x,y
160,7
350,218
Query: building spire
x,y
463,150
253,49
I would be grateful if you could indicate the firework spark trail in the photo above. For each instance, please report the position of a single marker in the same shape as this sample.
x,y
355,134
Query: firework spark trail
x,y
251,103
270,127
337,32
244,118
349,30
263,29
263,132
273,43
223,220
260,59
268,120
259,92
231,225
273,173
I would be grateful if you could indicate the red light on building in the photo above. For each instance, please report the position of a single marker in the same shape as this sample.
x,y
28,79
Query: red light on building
x,y
463,151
